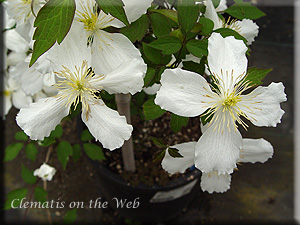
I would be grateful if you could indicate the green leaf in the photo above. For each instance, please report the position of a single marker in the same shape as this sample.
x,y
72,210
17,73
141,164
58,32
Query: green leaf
x,y
86,135
188,13
177,33
160,24
159,142
152,54
168,44
216,3
53,22
171,14
114,8
174,153
244,10
40,194
149,77
76,152
207,26
57,132
64,151
27,175
31,151
152,111
192,66
12,150
255,75
21,136
93,151
70,216
136,30
225,32
14,197
177,122
47,142
159,155
198,48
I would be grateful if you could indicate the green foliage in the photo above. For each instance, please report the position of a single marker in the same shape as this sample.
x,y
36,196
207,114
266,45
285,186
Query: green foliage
x,y
70,216
225,32
21,136
152,54
160,24
40,194
114,8
93,151
216,3
151,110
16,195
198,48
256,75
193,66
27,175
47,142
177,122
244,10
207,26
174,153
171,14
149,77
64,151
136,30
12,151
31,151
158,156
158,142
86,135
53,22
168,44
57,132
188,13
76,152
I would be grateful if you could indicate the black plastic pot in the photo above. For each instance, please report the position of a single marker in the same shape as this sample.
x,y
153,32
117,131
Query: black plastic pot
x,y
148,204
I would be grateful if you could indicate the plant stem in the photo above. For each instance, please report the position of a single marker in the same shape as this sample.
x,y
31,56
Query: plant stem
x,y
123,105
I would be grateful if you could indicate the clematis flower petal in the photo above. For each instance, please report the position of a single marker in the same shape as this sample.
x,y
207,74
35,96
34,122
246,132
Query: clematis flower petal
x,y
174,165
109,51
211,13
152,90
20,99
256,150
218,151
183,92
222,6
15,42
227,59
262,105
45,172
6,106
41,117
106,125
212,182
248,29
14,58
127,78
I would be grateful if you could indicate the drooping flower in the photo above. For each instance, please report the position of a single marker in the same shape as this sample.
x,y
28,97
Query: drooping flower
x,y
253,150
79,83
45,172
188,94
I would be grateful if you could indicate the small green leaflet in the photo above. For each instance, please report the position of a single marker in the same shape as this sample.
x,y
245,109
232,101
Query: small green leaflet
x,y
21,136
198,48
11,151
93,151
86,135
70,216
168,44
244,10
225,32
40,194
114,8
31,151
158,142
76,152
64,151
256,75
174,153
160,24
136,30
158,156
171,14
177,122
151,110
15,194
27,175
188,13
53,22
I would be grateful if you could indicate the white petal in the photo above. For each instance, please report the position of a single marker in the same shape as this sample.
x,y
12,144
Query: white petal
x,y
248,29
45,172
7,105
211,14
15,42
109,51
262,106
212,182
222,6
174,165
20,99
256,150
152,90
40,118
218,151
106,125
227,59
14,58
127,78
183,93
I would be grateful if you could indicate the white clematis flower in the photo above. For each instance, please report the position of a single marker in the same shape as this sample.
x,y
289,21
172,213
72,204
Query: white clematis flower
x,y
45,172
188,94
247,28
71,61
253,150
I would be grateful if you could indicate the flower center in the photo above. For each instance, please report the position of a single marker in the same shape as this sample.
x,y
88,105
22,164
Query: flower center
x,y
231,100
6,93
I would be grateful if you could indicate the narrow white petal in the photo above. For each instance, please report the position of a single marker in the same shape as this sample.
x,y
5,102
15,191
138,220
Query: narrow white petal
x,y
183,92
222,6
40,118
20,99
109,51
211,13
152,90
262,106
227,59
256,150
212,182
7,105
14,58
106,125
248,29
174,165
127,78
15,42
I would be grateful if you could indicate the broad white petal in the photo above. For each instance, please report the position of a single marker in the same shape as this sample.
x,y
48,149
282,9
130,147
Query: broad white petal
x,y
212,182
256,150
262,106
14,58
20,99
40,118
109,51
218,150
183,93
106,125
174,165
227,59
15,42
152,90
211,13
222,6
248,29
127,78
